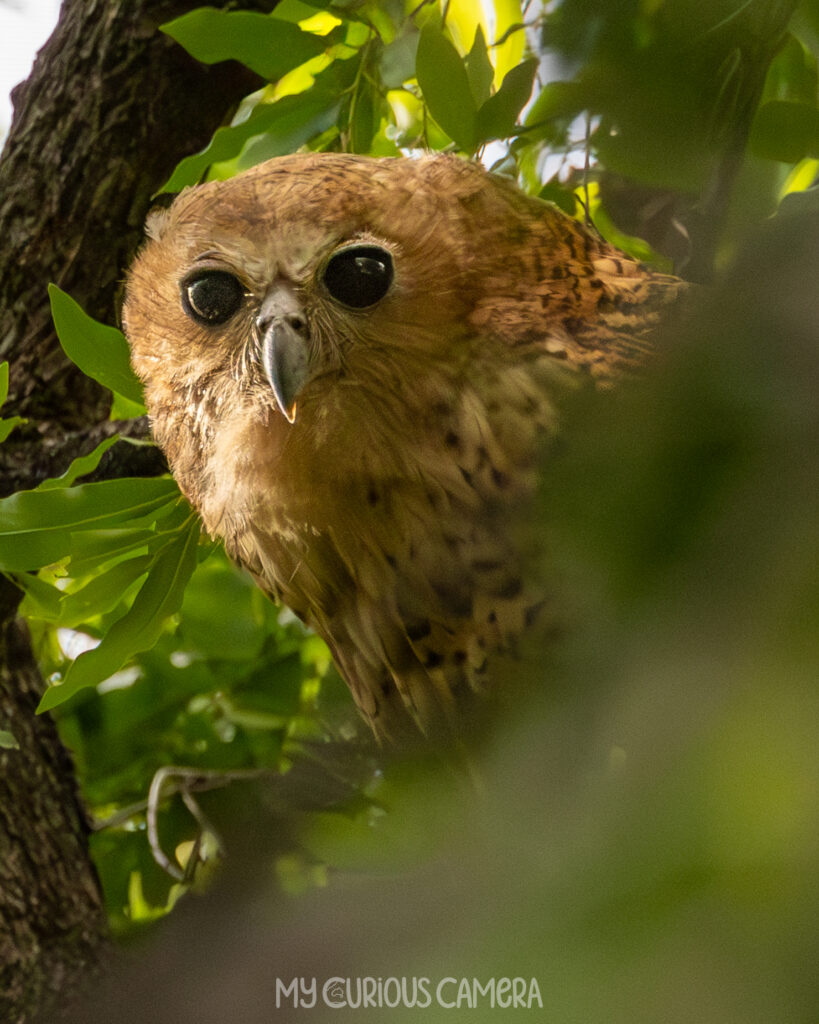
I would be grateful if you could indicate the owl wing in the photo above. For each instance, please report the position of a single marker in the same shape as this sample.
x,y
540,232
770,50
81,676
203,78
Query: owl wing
x,y
572,296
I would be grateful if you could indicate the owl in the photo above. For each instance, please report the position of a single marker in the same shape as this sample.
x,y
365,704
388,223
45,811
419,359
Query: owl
x,y
352,364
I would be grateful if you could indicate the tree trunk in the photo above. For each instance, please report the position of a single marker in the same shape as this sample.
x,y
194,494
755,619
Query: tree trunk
x,y
52,924
109,109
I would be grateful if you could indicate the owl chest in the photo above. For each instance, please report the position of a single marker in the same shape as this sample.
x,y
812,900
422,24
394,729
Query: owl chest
x,y
362,505
414,540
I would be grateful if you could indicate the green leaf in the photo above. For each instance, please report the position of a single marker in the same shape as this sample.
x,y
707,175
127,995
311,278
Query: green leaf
x,y
7,740
302,123
7,425
42,600
792,74
297,10
101,352
31,550
365,119
785,131
397,62
91,549
479,69
36,526
123,408
267,45
236,632
80,466
497,118
226,144
444,83
554,192
85,507
103,593
289,123
557,99
159,597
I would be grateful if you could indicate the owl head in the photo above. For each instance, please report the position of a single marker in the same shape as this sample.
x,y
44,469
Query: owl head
x,y
314,268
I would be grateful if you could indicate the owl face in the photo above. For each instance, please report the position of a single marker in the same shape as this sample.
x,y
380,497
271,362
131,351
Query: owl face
x,y
300,273
278,319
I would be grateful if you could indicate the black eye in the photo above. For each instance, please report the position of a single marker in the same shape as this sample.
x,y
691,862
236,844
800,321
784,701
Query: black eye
x,y
211,296
359,276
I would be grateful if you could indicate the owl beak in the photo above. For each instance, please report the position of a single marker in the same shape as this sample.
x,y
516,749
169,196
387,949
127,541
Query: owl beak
x,y
282,326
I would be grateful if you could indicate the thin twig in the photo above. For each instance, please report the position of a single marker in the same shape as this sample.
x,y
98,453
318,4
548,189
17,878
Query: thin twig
x,y
188,780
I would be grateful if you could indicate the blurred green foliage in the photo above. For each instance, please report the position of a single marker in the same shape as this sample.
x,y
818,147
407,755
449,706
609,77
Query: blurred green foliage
x,y
645,844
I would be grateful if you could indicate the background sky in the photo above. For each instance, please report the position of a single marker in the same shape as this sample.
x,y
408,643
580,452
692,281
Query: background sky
x,y
24,26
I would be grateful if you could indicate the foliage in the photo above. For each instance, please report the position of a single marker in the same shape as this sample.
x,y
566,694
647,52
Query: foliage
x,y
630,114
7,423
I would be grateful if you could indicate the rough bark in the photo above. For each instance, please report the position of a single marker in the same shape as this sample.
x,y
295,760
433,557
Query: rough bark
x,y
52,925
110,107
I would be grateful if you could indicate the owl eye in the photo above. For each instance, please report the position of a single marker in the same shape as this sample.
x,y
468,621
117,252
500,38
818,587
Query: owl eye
x,y
211,297
359,276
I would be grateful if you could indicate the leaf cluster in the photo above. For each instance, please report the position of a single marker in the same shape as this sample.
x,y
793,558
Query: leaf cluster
x,y
365,77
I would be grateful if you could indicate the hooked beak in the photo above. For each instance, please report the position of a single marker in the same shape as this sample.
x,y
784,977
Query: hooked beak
x,y
282,327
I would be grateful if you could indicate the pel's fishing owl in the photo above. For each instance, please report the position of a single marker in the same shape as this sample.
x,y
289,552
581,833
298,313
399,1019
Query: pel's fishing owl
x,y
351,364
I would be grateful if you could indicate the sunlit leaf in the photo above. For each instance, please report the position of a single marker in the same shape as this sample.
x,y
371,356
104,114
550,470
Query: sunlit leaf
x,y
509,37
463,19
92,550
42,599
103,593
101,352
320,24
8,424
444,83
300,79
159,597
407,112
803,176
35,526
123,408
267,45
384,144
